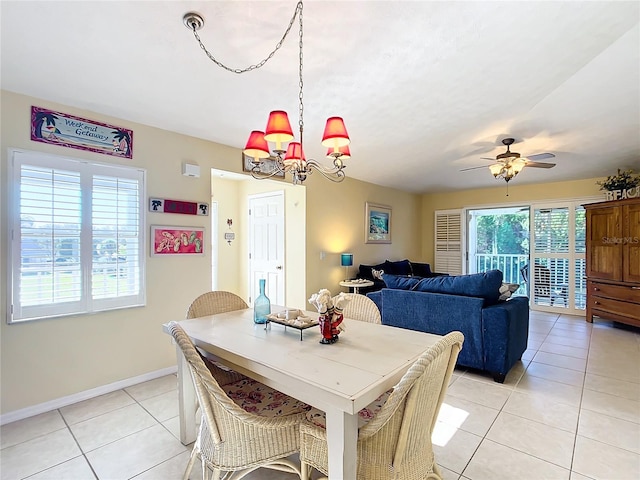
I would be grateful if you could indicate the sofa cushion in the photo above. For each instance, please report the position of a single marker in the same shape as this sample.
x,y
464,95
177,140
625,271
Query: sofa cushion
x,y
484,285
401,267
400,282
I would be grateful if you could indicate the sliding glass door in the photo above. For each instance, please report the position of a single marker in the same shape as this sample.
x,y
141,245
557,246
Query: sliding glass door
x,y
539,246
499,240
557,268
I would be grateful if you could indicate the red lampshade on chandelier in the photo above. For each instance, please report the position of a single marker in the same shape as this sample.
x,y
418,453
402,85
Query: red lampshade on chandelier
x,y
278,130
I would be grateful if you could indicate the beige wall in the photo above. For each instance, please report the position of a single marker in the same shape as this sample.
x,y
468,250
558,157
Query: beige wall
x,y
49,359
495,197
336,224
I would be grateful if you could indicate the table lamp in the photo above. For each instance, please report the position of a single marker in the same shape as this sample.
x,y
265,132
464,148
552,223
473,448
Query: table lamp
x,y
346,260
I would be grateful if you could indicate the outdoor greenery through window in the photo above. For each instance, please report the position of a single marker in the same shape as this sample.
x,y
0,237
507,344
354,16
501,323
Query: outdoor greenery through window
x,y
77,236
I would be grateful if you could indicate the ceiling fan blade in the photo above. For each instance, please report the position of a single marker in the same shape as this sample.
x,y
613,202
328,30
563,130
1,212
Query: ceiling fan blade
x,y
540,164
474,168
490,159
541,156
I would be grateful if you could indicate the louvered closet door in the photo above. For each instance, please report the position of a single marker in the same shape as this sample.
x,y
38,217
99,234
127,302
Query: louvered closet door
x,y
448,242
557,268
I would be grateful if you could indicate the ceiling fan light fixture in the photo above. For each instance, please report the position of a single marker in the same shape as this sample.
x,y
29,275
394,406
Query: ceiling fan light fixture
x,y
517,165
496,169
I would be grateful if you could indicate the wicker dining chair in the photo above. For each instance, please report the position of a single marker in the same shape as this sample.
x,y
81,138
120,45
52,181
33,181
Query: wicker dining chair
x,y
245,425
211,303
394,434
361,307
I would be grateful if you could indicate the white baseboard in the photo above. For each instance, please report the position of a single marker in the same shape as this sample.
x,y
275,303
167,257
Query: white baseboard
x,y
80,396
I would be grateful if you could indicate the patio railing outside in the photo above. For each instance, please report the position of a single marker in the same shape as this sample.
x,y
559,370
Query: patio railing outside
x,y
508,264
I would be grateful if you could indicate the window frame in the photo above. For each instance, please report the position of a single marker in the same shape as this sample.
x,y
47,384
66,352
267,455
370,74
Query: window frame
x,y
88,303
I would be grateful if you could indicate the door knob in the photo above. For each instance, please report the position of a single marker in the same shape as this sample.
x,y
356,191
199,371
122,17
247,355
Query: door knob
x,y
279,267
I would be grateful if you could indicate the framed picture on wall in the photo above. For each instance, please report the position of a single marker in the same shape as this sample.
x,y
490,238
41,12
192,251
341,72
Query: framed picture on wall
x,y
177,240
267,165
377,223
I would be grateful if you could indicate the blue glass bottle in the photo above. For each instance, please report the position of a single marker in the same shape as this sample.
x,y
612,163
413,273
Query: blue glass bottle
x,y
261,306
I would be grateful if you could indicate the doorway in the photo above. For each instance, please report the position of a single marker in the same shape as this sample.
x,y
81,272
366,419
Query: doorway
x,y
499,240
267,246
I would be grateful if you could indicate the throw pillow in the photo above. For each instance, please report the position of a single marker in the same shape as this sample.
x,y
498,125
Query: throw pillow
x,y
377,274
421,269
506,290
401,267
366,270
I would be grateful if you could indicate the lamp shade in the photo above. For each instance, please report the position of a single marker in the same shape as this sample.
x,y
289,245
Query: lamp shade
x,y
517,166
257,147
278,128
343,152
346,259
294,152
496,169
335,133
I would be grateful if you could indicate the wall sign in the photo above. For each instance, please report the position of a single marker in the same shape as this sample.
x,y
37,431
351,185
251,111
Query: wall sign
x,y
164,205
633,192
49,126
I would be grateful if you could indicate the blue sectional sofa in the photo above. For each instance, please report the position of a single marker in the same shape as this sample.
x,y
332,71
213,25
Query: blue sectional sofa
x,y
495,331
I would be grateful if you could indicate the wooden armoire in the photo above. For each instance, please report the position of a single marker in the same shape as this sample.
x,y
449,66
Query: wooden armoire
x,y
613,260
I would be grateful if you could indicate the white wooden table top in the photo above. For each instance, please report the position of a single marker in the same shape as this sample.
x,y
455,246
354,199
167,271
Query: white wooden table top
x,y
367,360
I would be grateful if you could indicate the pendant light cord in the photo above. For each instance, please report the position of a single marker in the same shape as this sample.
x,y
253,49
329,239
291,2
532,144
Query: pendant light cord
x,y
194,26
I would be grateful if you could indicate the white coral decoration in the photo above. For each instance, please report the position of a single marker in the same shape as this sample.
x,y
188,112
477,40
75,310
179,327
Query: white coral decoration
x,y
341,300
322,301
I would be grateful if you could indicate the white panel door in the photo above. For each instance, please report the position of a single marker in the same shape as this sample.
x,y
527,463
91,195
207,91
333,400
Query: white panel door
x,y
266,246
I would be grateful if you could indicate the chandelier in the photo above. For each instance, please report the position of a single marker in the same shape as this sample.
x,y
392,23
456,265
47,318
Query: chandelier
x,y
287,155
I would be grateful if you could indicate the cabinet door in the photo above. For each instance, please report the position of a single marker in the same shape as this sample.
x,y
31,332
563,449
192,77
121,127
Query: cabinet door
x,y
604,245
631,243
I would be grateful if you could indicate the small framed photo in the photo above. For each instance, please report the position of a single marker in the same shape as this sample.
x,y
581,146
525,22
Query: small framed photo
x,y
377,223
267,165
177,240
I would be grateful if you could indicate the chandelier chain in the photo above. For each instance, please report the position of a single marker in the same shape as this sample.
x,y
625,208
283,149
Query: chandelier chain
x,y
300,83
263,61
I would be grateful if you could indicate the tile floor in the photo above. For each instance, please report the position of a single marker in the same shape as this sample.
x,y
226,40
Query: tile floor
x,y
569,411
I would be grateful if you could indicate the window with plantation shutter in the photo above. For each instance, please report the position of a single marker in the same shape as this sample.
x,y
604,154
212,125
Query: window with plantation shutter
x,y
448,242
76,236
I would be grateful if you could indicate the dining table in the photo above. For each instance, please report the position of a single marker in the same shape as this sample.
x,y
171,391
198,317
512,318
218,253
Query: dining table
x,y
339,378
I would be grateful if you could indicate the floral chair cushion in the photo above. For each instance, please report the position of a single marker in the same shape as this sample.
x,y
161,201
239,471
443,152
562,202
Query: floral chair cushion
x,y
318,418
255,397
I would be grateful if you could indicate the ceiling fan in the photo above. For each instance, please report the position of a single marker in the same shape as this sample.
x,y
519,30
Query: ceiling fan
x,y
509,164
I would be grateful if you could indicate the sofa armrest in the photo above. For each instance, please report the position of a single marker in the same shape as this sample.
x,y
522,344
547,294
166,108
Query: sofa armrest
x,y
436,313
505,331
377,298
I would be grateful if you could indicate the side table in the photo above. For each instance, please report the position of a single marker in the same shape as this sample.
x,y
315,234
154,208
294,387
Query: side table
x,y
356,285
